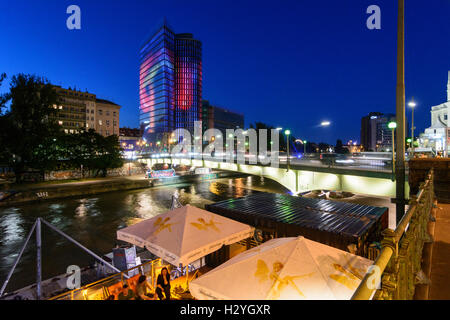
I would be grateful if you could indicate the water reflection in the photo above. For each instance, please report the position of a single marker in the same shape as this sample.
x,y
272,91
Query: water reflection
x,y
93,221
11,227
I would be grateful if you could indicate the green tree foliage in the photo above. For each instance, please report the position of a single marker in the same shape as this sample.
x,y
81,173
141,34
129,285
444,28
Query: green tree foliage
x,y
339,148
3,97
92,151
31,140
28,122
3,100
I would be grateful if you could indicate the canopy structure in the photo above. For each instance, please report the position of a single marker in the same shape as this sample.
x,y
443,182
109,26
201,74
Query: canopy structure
x,y
284,269
185,234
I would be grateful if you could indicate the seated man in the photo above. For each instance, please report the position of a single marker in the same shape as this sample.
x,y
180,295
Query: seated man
x,y
126,294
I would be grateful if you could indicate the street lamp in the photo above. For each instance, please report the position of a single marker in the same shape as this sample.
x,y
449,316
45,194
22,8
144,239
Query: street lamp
x,y
412,105
287,133
392,125
303,142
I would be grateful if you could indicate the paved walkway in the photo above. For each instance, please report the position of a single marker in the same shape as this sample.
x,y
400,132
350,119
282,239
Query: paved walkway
x,y
62,183
440,263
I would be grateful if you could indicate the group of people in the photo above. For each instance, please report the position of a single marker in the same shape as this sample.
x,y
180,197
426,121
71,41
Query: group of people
x,y
144,289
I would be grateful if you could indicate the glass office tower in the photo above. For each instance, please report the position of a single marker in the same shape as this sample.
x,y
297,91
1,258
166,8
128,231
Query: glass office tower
x,y
170,85
156,86
188,81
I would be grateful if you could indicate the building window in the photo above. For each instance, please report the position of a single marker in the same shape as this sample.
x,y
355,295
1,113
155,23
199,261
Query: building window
x,y
92,111
107,113
100,112
114,114
100,122
107,123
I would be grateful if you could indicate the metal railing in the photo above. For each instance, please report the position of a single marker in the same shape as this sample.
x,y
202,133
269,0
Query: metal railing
x,y
350,162
100,290
399,262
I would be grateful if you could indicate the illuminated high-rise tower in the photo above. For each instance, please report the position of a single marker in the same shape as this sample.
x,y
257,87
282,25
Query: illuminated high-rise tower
x,y
188,81
170,85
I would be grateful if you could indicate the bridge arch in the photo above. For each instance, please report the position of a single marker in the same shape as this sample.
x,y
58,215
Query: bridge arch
x,y
298,181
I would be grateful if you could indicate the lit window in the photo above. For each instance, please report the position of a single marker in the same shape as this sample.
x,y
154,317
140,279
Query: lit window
x,y
100,122
60,123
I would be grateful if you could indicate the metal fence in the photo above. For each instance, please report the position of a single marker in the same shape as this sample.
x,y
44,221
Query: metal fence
x,y
400,259
366,162
102,289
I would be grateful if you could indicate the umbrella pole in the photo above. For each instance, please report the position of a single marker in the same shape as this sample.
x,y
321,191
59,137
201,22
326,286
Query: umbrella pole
x,y
187,278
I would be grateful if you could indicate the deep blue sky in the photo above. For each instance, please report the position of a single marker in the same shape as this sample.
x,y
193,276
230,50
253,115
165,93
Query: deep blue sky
x,y
287,63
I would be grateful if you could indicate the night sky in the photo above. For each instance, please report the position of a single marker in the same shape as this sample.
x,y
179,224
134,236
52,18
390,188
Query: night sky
x,y
287,63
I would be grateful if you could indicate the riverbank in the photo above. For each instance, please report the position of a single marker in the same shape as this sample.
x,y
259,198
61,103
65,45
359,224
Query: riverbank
x,y
29,193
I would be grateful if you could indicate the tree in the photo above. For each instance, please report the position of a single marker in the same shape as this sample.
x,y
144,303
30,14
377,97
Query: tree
x,y
95,152
323,147
3,97
260,125
3,125
28,124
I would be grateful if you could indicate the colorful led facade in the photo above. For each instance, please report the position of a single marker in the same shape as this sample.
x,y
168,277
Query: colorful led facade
x,y
170,85
156,85
188,81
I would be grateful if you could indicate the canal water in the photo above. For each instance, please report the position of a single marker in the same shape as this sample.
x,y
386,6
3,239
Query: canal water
x,y
94,220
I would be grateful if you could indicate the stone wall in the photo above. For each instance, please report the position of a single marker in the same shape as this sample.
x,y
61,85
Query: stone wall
x,y
127,169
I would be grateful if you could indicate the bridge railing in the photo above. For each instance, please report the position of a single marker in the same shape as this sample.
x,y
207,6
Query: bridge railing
x,y
399,261
341,161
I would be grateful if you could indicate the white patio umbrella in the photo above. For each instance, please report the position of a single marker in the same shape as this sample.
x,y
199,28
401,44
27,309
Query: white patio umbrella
x,y
185,234
284,269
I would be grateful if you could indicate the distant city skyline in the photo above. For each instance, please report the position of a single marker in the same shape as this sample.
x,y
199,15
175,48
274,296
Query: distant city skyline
x,y
288,64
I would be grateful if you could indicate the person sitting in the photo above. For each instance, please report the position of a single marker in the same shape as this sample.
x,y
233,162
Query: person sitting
x,y
163,284
126,293
143,288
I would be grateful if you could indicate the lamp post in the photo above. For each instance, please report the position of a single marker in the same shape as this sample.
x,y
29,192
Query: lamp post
x,y
400,115
412,105
392,125
287,133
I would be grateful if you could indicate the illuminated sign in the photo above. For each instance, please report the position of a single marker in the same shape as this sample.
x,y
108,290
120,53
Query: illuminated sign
x,y
162,173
